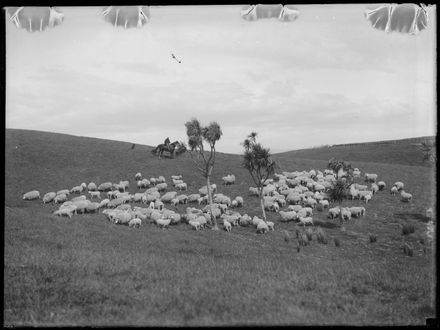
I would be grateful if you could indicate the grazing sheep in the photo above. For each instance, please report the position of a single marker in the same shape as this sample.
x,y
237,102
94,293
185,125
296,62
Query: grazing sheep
x,y
374,188
222,199
163,223
81,205
227,226
319,187
353,193
356,173
78,189
202,200
357,211
60,198
311,202
333,212
393,190
169,196
287,216
406,197
195,224
177,181
137,197
370,177
229,179
106,186
367,198
183,199
123,217
63,191
363,194
176,177
256,220
234,203
269,190
68,211
34,194
95,194
79,198
153,181
399,185
270,225
144,183
293,198
245,220
92,186
262,227
175,202
382,185
295,208
204,190
306,221
49,197
346,214
182,186
92,207
104,203
158,205
136,223
324,203
253,191
162,186
239,201
232,219
193,198
138,176
160,179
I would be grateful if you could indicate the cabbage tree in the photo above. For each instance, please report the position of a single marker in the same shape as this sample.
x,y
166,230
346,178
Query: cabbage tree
x,y
204,158
257,160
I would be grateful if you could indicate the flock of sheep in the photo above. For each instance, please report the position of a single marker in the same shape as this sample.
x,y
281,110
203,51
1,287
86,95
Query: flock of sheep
x,y
299,192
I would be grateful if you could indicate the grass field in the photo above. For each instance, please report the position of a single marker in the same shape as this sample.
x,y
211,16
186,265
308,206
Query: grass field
x,y
86,271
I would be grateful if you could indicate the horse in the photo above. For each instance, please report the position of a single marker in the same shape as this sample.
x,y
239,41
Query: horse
x,y
175,148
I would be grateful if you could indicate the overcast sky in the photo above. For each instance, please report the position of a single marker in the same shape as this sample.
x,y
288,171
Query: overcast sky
x,y
326,78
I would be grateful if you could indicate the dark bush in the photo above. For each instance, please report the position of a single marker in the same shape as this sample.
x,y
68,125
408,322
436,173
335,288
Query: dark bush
x,y
373,238
408,229
337,242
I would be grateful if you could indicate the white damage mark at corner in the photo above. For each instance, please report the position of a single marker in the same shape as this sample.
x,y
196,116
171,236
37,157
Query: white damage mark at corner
x,y
127,16
286,13
404,18
35,18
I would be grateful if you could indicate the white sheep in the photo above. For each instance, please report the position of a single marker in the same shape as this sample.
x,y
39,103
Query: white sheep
x,y
406,197
245,220
106,186
270,225
324,203
295,208
136,223
60,198
122,217
137,197
333,212
346,214
63,191
382,185
353,193
311,202
357,211
162,186
367,198
160,179
95,194
194,224
262,227
239,200
370,177
104,203
158,205
183,199
49,197
138,176
169,196
227,226
79,198
182,186
175,202
399,185
176,177
34,194
92,186
306,221
229,179
176,181
393,190
374,188
287,216
256,220
68,211
253,191
234,203
78,189
193,198
163,223
92,207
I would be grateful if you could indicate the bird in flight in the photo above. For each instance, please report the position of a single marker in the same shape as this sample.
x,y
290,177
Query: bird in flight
x,y
173,56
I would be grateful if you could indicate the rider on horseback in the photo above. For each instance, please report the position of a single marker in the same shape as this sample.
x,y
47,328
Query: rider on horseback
x,y
167,143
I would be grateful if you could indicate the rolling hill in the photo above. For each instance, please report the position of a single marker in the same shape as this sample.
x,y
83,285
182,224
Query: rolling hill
x,y
88,271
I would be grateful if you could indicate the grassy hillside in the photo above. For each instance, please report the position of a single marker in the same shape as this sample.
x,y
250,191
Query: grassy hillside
x,y
404,152
87,271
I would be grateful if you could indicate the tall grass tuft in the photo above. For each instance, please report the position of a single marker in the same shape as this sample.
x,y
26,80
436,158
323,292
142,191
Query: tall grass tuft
x,y
309,234
373,238
320,236
319,207
408,229
337,242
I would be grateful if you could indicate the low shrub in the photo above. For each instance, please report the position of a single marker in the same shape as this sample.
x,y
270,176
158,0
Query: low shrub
x,y
337,242
373,238
408,229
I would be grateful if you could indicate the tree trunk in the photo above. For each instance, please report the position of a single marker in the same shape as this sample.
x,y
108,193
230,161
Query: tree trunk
x,y
262,204
213,218
341,219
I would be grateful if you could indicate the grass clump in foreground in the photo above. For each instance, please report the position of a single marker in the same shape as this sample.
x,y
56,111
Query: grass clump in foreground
x,y
408,229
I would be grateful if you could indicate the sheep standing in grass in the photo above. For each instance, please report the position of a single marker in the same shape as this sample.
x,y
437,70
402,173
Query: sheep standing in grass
x,y
63,191
182,186
270,225
78,189
324,203
194,224
245,220
68,211
374,188
239,201
306,221
399,185
333,213
370,177
346,214
136,223
175,202
262,227
163,223
406,197
60,198
382,185
106,186
356,173
287,216
138,176
34,194
253,191
295,208
393,190
158,205
227,226
193,198
176,177
95,194
367,198
229,179
162,186
92,186
49,197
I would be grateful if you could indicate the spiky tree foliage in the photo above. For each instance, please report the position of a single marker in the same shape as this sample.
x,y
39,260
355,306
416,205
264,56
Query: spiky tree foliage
x,y
428,149
344,178
257,160
204,159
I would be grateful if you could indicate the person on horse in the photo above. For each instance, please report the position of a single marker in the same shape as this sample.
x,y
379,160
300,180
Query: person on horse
x,y
167,143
